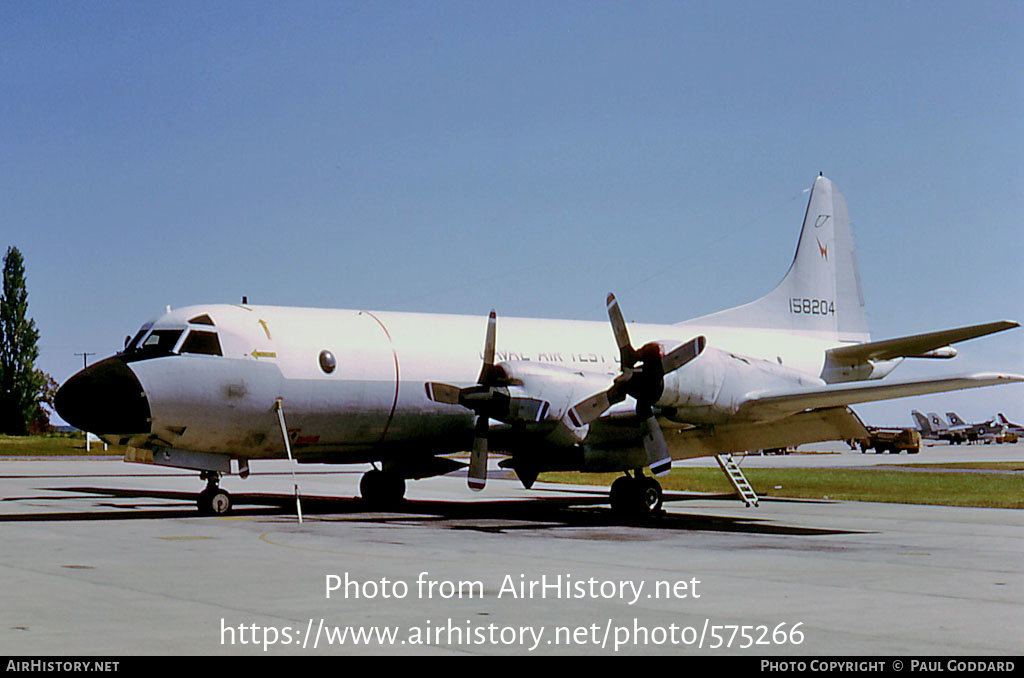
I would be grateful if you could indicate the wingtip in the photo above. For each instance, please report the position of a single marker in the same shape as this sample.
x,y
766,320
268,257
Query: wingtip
x,y
998,377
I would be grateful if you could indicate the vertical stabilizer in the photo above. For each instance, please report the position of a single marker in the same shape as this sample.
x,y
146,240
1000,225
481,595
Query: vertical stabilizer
x,y
955,420
923,425
821,293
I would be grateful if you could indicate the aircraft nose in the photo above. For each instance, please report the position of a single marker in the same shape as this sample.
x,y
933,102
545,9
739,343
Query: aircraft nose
x,y
104,398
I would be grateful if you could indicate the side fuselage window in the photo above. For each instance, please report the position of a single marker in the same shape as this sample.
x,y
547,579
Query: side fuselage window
x,y
205,343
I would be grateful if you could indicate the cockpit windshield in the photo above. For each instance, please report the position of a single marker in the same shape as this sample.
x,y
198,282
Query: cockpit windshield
x,y
162,341
157,343
134,344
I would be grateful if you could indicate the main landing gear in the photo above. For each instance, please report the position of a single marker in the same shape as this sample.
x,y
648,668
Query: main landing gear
x,y
382,489
636,496
213,501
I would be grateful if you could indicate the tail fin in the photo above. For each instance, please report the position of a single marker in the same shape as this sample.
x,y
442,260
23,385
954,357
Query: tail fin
x,y
923,425
1004,421
938,423
954,419
821,293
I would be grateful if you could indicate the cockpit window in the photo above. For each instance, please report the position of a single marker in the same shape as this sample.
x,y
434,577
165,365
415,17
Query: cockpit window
x,y
161,342
156,344
199,341
134,344
203,319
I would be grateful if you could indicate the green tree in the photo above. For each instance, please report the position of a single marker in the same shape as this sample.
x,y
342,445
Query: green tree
x,y
21,384
47,392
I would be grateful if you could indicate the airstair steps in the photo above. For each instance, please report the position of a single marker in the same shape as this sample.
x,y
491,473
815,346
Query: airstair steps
x,y
737,479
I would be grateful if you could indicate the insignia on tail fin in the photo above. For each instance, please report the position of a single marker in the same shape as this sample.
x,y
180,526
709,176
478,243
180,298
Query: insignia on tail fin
x,y
821,293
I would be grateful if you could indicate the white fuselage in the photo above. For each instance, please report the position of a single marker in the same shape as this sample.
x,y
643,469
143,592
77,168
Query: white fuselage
x,y
375,397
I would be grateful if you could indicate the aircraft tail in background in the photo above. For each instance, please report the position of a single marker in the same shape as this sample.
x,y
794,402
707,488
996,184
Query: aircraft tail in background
x,y
923,425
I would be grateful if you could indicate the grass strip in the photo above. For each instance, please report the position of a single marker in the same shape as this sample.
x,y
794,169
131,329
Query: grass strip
x,y
53,445
985,490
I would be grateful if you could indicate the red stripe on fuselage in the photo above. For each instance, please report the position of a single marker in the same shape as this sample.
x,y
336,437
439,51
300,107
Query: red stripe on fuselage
x,y
394,403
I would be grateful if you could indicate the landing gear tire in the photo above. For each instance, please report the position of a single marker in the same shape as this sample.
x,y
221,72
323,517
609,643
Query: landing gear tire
x,y
214,501
636,496
621,495
650,495
382,489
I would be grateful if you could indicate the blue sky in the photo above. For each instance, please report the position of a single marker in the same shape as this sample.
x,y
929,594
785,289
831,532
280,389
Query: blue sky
x,y
531,157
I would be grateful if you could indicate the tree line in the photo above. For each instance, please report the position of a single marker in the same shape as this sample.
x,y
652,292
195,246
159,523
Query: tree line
x,y
25,392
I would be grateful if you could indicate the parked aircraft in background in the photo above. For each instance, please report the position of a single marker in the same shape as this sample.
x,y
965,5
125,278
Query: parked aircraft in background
x,y
986,430
214,387
1010,426
934,427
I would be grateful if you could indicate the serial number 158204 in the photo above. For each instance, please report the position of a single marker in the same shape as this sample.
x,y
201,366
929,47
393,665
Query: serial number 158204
x,y
811,306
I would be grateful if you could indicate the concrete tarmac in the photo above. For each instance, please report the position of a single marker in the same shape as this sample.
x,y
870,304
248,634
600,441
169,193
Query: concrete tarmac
x,y
103,557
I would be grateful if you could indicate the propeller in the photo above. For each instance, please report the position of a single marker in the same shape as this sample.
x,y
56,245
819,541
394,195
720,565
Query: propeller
x,y
489,399
643,377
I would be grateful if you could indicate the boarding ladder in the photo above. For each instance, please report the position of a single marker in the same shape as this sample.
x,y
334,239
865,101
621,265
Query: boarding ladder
x,y
737,479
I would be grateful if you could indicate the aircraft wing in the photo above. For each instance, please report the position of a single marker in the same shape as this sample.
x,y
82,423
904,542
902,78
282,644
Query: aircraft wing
x,y
763,405
915,345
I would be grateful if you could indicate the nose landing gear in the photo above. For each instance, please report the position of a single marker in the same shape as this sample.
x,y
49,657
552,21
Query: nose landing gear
x,y
213,501
382,489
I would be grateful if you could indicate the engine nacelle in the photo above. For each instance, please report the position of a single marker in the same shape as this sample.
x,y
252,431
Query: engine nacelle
x,y
561,388
711,388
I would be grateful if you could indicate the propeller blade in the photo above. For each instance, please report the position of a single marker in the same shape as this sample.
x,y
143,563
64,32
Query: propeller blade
x,y
658,457
589,409
626,352
683,354
478,459
487,371
442,393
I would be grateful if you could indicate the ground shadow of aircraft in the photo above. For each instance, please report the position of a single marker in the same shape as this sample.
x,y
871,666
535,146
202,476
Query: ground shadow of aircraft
x,y
585,509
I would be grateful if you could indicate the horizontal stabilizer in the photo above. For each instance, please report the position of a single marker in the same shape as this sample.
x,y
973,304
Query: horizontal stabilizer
x,y
770,404
915,345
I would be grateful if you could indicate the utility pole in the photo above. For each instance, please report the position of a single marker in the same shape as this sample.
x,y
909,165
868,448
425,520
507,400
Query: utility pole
x,y
85,357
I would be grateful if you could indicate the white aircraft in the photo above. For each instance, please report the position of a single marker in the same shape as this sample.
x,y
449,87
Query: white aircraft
x,y
206,387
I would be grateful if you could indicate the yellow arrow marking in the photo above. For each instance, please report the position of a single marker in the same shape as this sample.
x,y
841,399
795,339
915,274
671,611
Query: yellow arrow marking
x,y
266,329
263,354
